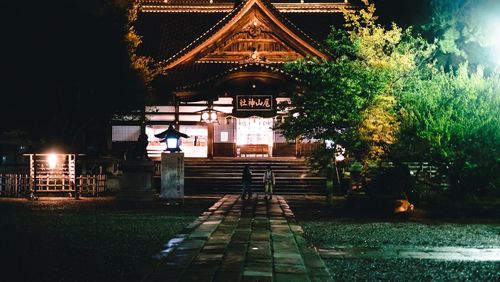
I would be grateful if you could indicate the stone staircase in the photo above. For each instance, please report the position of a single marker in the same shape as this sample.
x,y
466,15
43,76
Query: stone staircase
x,y
223,175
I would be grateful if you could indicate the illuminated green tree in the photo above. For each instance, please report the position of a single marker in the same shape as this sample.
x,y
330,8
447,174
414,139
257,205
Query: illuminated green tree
x,y
384,93
349,99
451,119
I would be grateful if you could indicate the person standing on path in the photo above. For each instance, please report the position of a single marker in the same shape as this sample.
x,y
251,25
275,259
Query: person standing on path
x,y
269,182
247,182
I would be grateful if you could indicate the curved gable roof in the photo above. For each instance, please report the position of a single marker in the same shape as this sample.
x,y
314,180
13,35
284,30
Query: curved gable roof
x,y
232,23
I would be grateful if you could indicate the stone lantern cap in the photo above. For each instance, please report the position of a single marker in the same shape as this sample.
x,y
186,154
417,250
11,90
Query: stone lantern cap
x,y
171,132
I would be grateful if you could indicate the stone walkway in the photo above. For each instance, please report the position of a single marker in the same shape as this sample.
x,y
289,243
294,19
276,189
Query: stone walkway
x,y
235,240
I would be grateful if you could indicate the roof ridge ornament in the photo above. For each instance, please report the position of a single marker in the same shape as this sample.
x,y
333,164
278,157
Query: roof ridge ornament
x,y
254,57
255,28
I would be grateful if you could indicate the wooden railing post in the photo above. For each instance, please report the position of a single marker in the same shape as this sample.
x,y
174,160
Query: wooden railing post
x,y
16,185
94,185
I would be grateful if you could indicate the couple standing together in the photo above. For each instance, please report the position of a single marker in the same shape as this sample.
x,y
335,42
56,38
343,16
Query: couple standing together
x,y
268,180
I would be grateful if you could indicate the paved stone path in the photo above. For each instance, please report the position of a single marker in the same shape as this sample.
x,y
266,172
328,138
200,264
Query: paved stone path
x,y
235,240
434,253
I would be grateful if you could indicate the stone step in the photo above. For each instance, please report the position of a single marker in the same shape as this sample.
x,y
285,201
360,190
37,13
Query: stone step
x,y
237,175
236,189
224,174
256,179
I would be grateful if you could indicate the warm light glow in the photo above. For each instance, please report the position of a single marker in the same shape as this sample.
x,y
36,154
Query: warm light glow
x,y
52,160
254,131
209,116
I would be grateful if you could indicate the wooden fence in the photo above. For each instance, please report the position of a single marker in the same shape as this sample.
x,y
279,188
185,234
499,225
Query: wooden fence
x,y
427,173
18,185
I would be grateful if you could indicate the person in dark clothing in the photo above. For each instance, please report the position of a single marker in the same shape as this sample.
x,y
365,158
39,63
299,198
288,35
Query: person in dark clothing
x,y
247,182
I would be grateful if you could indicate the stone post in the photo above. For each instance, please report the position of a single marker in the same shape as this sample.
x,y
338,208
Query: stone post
x,y
172,176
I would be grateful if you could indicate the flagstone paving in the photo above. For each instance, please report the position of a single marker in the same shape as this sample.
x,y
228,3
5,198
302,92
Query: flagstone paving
x,y
236,240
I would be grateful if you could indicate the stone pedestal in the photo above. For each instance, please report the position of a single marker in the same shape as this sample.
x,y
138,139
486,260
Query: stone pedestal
x,y
172,175
136,183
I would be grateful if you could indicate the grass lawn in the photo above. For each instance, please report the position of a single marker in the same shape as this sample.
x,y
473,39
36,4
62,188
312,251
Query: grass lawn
x,y
98,243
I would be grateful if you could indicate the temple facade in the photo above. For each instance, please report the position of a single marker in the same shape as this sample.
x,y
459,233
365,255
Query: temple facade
x,y
223,74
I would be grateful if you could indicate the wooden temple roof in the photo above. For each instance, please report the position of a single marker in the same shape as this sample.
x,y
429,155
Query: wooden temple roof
x,y
167,32
217,6
199,45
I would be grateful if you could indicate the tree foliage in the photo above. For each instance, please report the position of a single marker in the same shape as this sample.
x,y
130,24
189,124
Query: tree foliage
x,y
145,65
349,99
385,92
451,119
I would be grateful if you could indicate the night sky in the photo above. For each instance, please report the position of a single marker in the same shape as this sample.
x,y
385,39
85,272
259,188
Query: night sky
x,y
52,48
403,12
65,64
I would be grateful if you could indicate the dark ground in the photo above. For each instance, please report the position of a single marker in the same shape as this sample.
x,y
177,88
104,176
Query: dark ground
x,y
87,240
103,240
362,227
315,207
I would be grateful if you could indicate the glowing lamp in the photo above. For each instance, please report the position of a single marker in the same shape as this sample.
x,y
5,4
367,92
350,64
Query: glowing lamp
x,y
209,115
52,160
171,138
172,143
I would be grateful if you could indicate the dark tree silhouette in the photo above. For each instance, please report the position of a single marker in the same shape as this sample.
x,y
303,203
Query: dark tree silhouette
x,y
66,69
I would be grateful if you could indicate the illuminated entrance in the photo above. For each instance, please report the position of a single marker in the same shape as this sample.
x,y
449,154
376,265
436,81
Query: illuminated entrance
x,y
254,131
235,137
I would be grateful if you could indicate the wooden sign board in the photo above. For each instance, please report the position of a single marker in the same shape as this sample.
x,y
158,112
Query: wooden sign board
x,y
254,103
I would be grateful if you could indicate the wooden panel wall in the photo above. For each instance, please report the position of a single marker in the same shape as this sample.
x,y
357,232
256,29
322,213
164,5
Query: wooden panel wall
x,y
224,150
284,150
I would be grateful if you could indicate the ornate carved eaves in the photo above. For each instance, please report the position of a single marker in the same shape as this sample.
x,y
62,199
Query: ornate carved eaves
x,y
254,33
254,42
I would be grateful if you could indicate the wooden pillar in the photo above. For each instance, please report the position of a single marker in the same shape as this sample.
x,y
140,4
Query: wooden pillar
x,y
210,145
176,116
234,122
298,148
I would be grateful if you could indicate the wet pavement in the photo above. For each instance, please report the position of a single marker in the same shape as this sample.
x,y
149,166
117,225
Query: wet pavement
x,y
255,240
402,252
235,240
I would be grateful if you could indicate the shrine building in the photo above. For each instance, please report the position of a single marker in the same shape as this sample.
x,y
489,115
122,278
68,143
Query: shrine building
x,y
223,74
